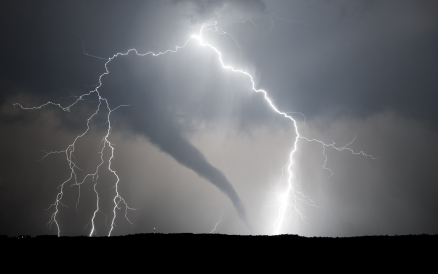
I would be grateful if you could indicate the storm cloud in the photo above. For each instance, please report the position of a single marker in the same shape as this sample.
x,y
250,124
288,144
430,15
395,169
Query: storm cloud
x,y
353,68
162,111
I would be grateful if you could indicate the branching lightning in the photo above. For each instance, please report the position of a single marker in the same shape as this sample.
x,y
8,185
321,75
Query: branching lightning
x,y
288,200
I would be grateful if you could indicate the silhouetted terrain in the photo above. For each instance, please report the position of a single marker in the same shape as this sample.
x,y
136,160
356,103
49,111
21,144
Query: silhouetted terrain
x,y
224,239
188,250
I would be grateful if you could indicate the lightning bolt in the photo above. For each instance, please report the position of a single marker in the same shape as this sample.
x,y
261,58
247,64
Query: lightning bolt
x,y
220,219
288,199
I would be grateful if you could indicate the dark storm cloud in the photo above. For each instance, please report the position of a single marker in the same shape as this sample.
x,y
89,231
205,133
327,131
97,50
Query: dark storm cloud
x,y
350,8
351,60
42,54
367,62
394,194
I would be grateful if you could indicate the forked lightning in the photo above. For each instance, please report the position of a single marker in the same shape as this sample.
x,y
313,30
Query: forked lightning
x,y
288,200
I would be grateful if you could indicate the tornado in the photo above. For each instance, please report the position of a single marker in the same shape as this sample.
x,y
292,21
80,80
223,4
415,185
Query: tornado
x,y
168,138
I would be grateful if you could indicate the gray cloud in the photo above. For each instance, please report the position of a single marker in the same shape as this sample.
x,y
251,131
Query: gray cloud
x,y
351,8
201,10
391,195
368,71
360,64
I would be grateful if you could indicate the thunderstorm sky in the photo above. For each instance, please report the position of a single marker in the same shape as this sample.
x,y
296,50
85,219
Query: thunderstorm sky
x,y
356,69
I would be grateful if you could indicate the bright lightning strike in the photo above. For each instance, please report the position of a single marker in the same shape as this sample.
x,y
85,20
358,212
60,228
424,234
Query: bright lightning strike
x,y
220,219
288,200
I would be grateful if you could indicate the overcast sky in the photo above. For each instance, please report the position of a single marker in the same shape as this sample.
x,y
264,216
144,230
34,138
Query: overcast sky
x,y
197,148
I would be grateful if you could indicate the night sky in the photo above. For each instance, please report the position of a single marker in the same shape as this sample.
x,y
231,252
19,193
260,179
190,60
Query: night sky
x,y
194,147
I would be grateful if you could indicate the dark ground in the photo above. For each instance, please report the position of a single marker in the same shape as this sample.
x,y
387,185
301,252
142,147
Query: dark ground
x,y
208,252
